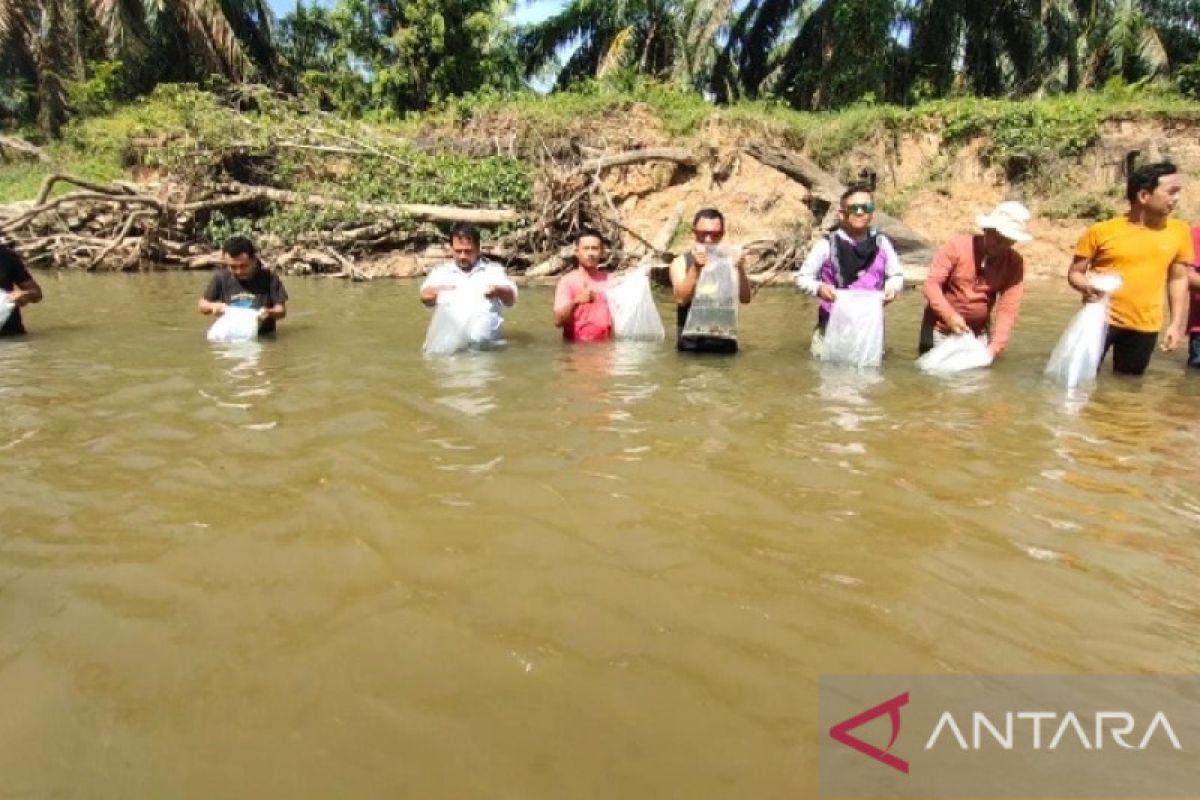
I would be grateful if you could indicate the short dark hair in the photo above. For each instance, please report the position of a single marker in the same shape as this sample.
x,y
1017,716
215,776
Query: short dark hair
x,y
856,188
586,232
709,213
465,230
1145,178
239,246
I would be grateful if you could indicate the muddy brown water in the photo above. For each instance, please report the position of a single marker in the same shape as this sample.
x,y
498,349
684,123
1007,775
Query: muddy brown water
x,y
323,567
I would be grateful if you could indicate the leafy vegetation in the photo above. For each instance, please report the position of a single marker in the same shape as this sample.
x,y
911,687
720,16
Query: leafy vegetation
x,y
386,59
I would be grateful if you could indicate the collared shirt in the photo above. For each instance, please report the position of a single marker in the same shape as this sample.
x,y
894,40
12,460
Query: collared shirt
x,y
808,281
484,275
962,282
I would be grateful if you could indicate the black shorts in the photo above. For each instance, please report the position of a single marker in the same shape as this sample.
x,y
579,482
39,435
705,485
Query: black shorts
x,y
1131,350
1194,350
706,344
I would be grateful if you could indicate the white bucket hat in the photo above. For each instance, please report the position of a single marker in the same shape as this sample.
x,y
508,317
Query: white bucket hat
x,y
1007,219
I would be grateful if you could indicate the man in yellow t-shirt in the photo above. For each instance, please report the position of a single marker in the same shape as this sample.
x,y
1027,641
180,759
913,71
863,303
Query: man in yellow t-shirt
x,y
1148,250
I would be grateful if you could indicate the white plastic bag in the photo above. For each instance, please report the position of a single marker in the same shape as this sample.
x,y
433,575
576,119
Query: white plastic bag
x,y
1076,357
957,353
461,318
6,307
634,314
235,325
854,335
714,305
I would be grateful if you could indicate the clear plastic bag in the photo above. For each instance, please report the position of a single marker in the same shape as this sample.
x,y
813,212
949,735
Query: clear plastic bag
x,y
235,325
854,335
6,307
461,318
714,305
1076,357
634,314
957,353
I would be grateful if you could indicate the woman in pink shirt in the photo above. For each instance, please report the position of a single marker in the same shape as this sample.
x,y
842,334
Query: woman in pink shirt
x,y
580,308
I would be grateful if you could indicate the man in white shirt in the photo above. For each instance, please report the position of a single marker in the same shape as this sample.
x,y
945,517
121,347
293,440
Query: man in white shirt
x,y
853,256
469,271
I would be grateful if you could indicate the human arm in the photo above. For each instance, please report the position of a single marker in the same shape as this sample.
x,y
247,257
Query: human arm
x,y
684,273
744,293
1177,301
276,306
437,281
25,289
1078,280
499,285
1008,306
940,270
210,300
893,270
505,294
566,299
808,280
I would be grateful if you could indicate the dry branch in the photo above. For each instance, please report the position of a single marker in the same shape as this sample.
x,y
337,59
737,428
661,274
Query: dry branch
x,y
676,154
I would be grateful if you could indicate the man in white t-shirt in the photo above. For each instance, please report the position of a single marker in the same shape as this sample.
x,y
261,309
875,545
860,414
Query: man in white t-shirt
x,y
468,269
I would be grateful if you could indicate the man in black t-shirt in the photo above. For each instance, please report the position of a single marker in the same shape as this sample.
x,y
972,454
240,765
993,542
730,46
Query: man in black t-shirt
x,y
245,283
21,288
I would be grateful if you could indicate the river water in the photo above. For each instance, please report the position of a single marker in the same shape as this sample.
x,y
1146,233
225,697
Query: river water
x,y
321,566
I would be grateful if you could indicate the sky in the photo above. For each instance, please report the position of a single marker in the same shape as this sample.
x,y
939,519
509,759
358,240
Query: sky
x,y
527,10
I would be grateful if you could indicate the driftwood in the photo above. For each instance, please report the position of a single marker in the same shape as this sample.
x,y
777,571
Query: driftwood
x,y
676,154
828,191
122,226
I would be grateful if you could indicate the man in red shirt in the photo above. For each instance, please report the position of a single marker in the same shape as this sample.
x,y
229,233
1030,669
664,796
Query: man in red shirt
x,y
580,307
972,274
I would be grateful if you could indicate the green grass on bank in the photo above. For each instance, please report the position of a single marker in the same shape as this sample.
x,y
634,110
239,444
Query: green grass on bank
x,y
188,122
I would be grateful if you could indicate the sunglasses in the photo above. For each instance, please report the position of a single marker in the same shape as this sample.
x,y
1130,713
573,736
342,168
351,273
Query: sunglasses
x,y
860,208
713,236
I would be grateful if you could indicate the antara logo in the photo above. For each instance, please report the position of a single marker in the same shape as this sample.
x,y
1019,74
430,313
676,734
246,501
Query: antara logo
x,y
841,732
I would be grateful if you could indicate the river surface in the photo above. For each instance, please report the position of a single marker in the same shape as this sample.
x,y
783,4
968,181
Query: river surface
x,y
321,566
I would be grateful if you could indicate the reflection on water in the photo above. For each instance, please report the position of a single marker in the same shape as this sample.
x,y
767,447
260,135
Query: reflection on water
x,y
322,565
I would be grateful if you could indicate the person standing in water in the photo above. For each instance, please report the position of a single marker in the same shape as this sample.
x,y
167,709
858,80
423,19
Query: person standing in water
x,y
1194,313
243,282
19,286
469,270
708,229
1149,250
580,307
852,256
972,274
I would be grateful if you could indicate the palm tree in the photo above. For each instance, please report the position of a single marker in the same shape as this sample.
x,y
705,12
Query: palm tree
x,y
668,39
44,43
187,39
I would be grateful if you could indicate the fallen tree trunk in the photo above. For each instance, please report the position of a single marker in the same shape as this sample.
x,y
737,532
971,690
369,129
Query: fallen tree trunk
x,y
254,194
677,154
829,190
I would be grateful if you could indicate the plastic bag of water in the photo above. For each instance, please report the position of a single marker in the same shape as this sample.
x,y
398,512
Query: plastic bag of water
x,y
714,305
1076,357
461,318
854,335
957,353
6,307
634,314
235,325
